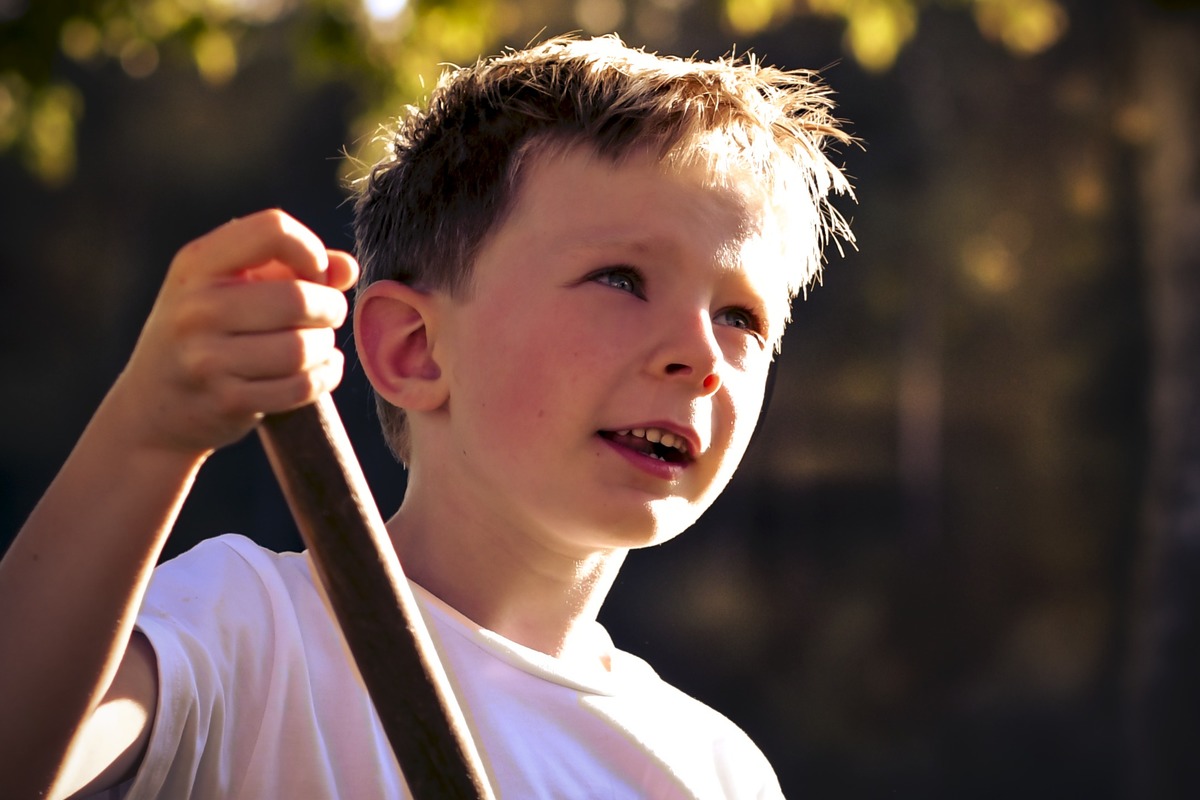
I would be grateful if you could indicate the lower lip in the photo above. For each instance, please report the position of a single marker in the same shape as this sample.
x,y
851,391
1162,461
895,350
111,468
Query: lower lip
x,y
664,470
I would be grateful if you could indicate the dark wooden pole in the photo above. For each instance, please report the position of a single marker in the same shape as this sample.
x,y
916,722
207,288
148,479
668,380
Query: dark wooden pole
x,y
340,524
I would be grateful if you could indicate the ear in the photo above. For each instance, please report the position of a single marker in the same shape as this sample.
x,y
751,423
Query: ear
x,y
394,327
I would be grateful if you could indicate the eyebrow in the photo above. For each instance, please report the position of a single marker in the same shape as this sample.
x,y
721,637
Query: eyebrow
x,y
599,237
646,245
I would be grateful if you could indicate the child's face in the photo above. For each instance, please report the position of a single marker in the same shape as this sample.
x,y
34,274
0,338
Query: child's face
x,y
612,299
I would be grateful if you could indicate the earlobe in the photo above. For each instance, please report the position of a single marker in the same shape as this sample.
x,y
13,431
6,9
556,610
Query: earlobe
x,y
394,327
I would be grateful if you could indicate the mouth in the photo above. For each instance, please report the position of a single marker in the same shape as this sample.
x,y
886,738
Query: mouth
x,y
655,443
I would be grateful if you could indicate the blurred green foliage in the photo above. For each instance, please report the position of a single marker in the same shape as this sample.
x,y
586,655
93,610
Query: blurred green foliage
x,y
383,48
925,580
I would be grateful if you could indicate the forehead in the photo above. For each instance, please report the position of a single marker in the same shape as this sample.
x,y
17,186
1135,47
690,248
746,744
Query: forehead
x,y
571,198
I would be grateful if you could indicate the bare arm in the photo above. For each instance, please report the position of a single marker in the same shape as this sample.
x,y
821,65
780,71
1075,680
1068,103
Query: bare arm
x,y
69,592
243,326
109,748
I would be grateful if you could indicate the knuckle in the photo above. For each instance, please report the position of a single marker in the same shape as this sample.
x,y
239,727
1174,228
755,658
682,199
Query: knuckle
x,y
190,253
330,373
323,340
301,389
304,387
229,403
337,362
199,363
340,310
274,219
295,300
324,303
194,314
297,351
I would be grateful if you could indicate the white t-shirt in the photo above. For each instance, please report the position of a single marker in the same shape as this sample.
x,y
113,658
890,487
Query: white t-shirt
x,y
259,699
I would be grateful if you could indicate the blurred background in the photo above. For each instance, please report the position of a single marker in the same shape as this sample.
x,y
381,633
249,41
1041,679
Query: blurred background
x,y
962,558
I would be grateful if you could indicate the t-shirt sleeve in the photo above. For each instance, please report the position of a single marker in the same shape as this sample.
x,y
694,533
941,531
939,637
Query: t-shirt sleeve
x,y
208,615
743,771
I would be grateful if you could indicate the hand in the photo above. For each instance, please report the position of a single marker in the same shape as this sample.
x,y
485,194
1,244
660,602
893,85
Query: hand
x,y
243,326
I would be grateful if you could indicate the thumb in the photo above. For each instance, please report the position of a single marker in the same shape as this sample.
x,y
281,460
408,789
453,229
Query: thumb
x,y
343,270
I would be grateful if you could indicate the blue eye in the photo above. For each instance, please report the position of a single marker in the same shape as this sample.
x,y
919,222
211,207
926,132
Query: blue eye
x,y
624,279
742,319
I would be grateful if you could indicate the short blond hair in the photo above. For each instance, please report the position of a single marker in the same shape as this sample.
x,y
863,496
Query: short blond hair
x,y
453,167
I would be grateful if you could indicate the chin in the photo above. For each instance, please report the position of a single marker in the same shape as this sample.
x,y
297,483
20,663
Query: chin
x,y
662,522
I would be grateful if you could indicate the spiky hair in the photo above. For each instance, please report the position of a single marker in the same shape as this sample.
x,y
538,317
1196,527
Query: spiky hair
x,y
453,167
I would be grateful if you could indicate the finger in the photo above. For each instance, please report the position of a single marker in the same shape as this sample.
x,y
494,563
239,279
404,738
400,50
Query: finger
x,y
259,307
343,270
272,395
271,271
265,356
253,241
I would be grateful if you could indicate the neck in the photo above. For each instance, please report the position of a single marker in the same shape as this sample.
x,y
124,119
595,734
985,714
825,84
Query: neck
x,y
505,580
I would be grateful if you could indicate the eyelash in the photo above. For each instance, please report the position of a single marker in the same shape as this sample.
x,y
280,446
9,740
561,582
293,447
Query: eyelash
x,y
751,322
636,282
611,276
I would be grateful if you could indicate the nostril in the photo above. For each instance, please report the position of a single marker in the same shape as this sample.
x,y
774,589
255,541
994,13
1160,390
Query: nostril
x,y
678,369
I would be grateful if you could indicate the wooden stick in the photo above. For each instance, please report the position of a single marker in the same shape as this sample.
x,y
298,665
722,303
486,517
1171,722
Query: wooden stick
x,y
375,607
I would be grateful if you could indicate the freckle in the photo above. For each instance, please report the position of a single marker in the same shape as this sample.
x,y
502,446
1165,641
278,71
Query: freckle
x,y
541,413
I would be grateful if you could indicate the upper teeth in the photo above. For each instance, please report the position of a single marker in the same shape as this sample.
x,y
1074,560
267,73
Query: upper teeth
x,y
665,438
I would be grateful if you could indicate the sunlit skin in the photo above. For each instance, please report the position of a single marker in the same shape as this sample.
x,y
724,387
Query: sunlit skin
x,y
613,297
243,325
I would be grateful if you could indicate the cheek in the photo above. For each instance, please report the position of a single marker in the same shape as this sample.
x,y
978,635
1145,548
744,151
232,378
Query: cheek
x,y
746,393
523,374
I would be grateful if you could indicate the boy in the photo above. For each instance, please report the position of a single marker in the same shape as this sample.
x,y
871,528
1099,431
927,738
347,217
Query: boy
x,y
577,265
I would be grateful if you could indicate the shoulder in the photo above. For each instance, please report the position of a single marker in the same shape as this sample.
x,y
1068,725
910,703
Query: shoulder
x,y
230,563
701,741
228,588
257,698
230,550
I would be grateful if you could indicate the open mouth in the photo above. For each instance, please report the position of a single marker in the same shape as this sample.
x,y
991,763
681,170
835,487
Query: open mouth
x,y
652,442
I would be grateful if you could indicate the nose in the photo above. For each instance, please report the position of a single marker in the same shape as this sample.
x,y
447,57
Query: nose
x,y
691,353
